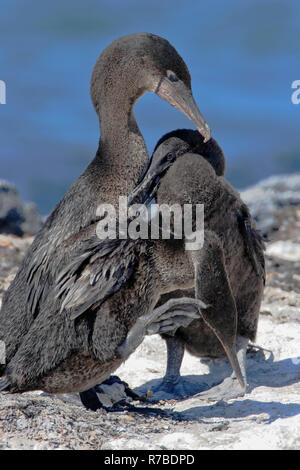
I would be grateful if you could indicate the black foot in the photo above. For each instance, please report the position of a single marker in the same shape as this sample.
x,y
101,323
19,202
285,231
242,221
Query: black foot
x,y
90,399
108,394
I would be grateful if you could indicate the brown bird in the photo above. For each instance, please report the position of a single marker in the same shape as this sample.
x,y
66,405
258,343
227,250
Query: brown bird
x,y
231,268
45,348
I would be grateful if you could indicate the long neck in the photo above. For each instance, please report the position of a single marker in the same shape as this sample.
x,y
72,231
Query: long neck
x,y
122,150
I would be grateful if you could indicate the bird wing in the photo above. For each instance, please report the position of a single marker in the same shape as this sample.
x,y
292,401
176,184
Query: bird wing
x,y
82,271
254,242
38,278
96,271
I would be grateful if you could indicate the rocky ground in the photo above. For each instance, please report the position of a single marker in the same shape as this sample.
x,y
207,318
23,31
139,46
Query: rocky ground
x,y
267,417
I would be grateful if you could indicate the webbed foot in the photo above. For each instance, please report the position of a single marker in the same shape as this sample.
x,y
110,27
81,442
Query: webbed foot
x,y
108,394
90,400
173,386
165,319
173,314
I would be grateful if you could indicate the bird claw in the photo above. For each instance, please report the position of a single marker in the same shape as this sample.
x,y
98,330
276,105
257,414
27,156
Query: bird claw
x,y
173,314
164,319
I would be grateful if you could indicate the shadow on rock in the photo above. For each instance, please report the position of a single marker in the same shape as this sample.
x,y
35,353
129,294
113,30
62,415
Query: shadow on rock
x,y
263,412
260,372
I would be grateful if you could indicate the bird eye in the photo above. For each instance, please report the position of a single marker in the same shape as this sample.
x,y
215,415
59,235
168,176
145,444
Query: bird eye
x,y
172,77
170,156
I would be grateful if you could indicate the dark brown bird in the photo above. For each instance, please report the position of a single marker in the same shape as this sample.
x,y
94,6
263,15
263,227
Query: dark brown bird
x,y
231,265
96,313
32,326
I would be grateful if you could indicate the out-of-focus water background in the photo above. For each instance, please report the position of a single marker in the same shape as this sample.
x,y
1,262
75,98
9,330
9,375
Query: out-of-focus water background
x,y
243,57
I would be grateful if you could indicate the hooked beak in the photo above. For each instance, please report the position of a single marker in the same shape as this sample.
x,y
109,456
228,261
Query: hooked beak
x,y
228,339
179,96
232,356
144,192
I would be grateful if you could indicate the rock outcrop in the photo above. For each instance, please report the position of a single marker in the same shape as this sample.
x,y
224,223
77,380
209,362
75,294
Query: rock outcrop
x,y
16,217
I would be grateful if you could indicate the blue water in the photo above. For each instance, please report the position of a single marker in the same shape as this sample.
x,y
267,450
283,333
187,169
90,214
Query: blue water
x,y
243,57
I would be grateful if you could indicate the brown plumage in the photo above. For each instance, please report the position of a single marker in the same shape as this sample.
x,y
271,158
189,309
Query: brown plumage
x,y
45,348
99,292
193,178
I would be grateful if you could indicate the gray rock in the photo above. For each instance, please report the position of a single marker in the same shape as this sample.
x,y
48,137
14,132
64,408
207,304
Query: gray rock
x,y
16,217
268,199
